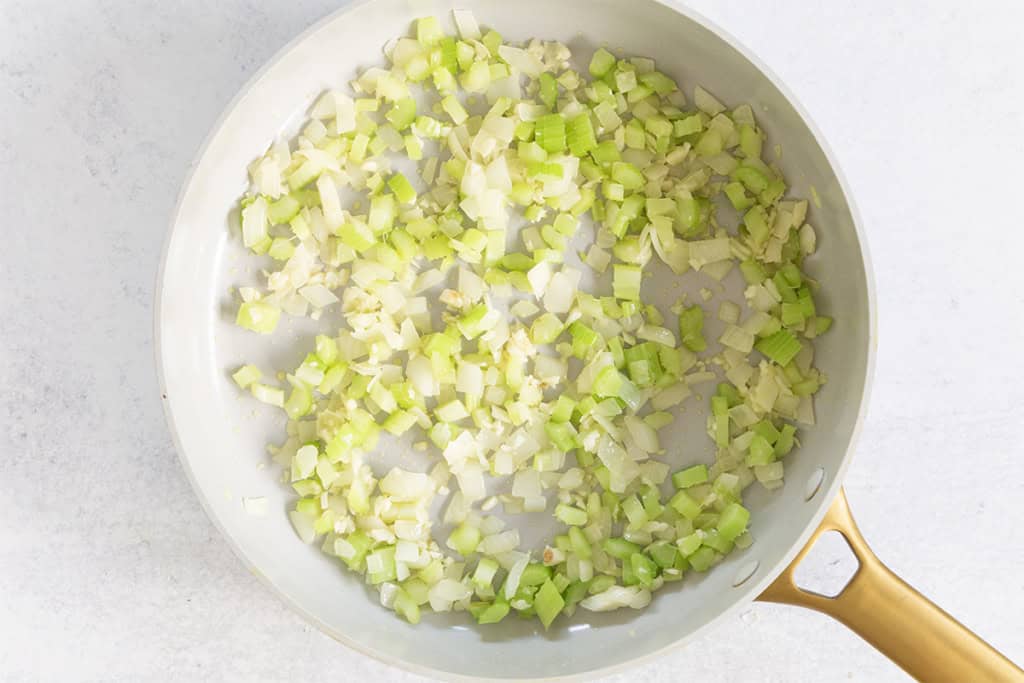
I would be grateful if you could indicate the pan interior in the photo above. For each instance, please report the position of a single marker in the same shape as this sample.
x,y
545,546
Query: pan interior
x,y
221,437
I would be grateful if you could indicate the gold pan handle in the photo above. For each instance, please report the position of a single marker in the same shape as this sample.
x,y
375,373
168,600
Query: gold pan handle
x,y
889,614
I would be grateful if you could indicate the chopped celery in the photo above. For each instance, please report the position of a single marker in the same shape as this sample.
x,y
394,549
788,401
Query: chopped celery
x,y
258,316
691,476
781,347
548,602
562,435
549,132
601,63
627,175
620,548
493,614
702,559
546,329
464,539
425,352
570,515
580,135
691,327
626,282
732,521
580,544
548,90
534,575
682,503
402,188
246,375
644,569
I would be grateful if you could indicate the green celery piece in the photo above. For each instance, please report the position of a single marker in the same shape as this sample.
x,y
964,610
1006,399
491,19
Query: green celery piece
x,y
492,40
792,275
753,272
719,406
402,114
601,63
737,196
387,556
546,329
733,521
549,603
464,539
620,548
562,542
428,31
563,435
651,499
634,511
628,577
357,235
717,542
691,326
688,545
473,323
664,554
626,282
645,570
407,607
563,409
599,584
580,135
493,614
258,316
548,90
752,179
580,544
517,261
576,591
730,393
608,382
781,347
691,476
448,54
246,375
756,221
627,175
687,126
570,515
786,439
584,340
535,574
760,452
605,152
283,210
709,144
767,430
549,132
618,354
750,142
702,559
658,82
806,387
682,503
402,188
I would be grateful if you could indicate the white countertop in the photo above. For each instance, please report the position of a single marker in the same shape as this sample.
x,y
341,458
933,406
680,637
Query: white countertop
x,y
109,569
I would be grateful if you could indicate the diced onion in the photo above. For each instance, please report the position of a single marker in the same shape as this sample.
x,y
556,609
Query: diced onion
x,y
399,219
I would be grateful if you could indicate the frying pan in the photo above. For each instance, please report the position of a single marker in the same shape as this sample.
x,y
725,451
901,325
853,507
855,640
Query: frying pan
x,y
221,436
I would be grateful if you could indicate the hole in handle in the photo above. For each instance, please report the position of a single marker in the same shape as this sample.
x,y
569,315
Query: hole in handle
x,y
828,567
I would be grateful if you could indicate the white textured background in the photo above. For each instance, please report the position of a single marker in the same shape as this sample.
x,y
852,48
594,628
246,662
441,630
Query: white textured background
x,y
110,571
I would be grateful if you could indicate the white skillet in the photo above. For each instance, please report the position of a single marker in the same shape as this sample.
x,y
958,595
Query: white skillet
x,y
221,436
